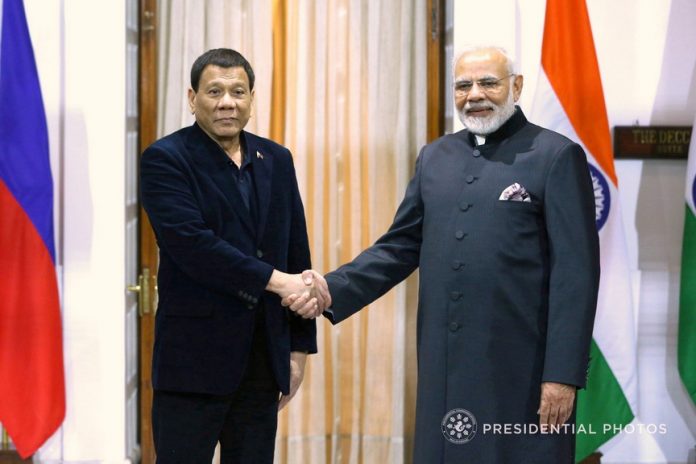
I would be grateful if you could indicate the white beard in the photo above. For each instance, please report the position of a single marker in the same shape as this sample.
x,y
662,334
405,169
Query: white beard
x,y
484,126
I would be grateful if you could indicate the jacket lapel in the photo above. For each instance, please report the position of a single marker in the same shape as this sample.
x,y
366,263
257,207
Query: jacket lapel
x,y
212,158
263,171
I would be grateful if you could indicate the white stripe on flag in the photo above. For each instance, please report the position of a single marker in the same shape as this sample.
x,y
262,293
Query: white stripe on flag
x,y
614,329
691,172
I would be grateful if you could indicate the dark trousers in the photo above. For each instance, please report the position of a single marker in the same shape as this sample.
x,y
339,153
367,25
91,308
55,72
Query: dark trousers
x,y
187,426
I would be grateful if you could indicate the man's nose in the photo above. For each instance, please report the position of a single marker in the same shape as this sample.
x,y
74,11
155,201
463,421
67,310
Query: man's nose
x,y
227,101
476,93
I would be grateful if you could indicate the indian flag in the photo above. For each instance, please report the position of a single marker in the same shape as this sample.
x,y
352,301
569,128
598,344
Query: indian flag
x,y
569,99
687,302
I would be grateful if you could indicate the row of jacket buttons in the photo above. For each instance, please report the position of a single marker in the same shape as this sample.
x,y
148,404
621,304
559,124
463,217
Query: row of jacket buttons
x,y
459,235
248,298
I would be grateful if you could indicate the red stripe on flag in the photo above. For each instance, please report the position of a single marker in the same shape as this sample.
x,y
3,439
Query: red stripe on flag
x,y
569,60
32,387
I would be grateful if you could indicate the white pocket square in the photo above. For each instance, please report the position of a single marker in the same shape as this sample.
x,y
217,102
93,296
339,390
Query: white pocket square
x,y
515,192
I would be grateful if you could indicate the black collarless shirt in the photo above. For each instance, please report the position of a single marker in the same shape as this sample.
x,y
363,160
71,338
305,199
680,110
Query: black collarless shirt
x,y
244,179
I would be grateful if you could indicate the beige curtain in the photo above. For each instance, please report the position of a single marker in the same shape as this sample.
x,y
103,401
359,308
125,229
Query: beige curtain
x,y
349,99
354,119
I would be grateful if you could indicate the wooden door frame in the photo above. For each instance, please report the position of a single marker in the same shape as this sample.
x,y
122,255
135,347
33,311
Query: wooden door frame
x,y
435,67
147,133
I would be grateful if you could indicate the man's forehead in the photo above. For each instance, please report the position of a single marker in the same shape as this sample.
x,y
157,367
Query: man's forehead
x,y
489,61
213,73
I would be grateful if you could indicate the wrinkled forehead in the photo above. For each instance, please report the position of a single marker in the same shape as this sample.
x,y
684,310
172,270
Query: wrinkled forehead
x,y
479,64
218,74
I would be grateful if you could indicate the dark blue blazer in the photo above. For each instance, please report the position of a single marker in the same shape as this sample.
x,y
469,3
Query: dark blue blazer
x,y
215,261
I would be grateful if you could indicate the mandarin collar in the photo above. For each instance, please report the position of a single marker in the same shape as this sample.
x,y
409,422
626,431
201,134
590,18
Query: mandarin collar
x,y
509,127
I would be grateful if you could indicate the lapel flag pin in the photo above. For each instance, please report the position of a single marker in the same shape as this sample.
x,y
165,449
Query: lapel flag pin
x,y
259,155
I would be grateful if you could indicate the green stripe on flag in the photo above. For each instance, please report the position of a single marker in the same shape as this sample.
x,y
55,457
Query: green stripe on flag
x,y
602,403
687,307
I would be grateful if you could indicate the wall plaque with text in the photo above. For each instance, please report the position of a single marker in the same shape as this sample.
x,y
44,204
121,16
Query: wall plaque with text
x,y
652,142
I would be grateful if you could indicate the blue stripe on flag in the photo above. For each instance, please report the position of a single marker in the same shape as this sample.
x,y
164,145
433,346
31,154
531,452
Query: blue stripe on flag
x,y
24,159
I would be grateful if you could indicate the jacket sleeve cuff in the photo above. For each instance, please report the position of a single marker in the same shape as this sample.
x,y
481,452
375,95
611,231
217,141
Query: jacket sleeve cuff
x,y
304,346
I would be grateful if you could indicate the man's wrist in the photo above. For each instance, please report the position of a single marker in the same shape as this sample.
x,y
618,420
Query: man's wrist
x,y
276,282
299,357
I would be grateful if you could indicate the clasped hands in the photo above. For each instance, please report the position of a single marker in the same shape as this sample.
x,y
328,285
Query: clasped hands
x,y
306,294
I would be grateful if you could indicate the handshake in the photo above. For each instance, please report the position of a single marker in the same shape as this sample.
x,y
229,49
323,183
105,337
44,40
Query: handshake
x,y
306,294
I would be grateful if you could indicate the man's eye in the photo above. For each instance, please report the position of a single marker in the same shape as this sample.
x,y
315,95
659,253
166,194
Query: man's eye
x,y
213,92
465,86
488,83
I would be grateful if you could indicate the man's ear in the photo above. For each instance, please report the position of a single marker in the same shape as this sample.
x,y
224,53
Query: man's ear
x,y
517,86
192,101
251,103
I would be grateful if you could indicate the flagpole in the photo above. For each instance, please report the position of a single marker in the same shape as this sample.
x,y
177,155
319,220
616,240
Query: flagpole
x,y
8,455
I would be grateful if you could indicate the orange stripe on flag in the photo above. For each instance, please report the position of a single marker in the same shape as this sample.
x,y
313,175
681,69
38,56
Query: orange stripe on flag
x,y
569,60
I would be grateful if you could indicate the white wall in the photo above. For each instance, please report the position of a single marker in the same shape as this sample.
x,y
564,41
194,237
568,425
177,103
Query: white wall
x,y
80,50
647,58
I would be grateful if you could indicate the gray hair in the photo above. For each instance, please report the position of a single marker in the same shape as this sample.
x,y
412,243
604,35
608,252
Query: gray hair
x,y
511,64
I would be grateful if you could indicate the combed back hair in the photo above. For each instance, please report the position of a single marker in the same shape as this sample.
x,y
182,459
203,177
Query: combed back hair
x,y
223,57
511,65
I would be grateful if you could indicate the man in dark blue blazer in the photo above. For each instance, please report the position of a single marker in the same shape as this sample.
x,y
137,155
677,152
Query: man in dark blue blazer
x,y
228,217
